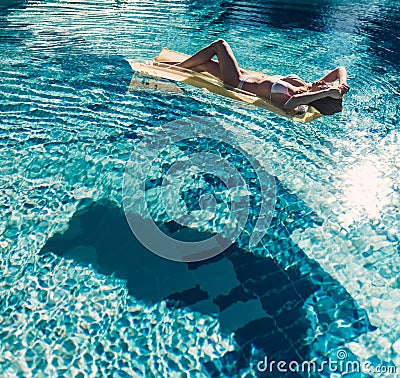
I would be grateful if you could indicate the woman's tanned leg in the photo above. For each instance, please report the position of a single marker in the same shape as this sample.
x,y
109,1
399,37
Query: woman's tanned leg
x,y
211,67
229,70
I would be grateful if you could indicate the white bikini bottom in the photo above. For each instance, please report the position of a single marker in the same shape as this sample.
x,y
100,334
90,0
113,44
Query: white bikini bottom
x,y
241,82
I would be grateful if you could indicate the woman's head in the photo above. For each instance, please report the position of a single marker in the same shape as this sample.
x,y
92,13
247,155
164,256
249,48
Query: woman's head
x,y
328,105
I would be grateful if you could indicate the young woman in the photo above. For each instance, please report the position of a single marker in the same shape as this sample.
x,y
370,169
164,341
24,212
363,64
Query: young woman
x,y
287,92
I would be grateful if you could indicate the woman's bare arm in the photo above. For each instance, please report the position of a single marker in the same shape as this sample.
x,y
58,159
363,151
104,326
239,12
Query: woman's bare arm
x,y
339,73
306,98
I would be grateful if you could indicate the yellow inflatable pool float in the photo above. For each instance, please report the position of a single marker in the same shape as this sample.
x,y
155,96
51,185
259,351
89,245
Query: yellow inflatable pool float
x,y
158,67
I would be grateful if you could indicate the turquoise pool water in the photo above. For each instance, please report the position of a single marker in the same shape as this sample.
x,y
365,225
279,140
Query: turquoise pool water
x,y
81,297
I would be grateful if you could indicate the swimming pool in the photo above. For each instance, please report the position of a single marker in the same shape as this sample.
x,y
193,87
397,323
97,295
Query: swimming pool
x,y
81,297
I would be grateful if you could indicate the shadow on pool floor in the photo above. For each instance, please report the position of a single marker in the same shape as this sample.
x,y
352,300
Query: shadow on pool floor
x,y
252,296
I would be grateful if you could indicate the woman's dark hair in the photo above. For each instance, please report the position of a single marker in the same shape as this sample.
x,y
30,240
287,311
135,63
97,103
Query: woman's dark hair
x,y
328,105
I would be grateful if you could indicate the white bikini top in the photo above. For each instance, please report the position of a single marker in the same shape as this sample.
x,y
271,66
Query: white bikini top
x,y
280,85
